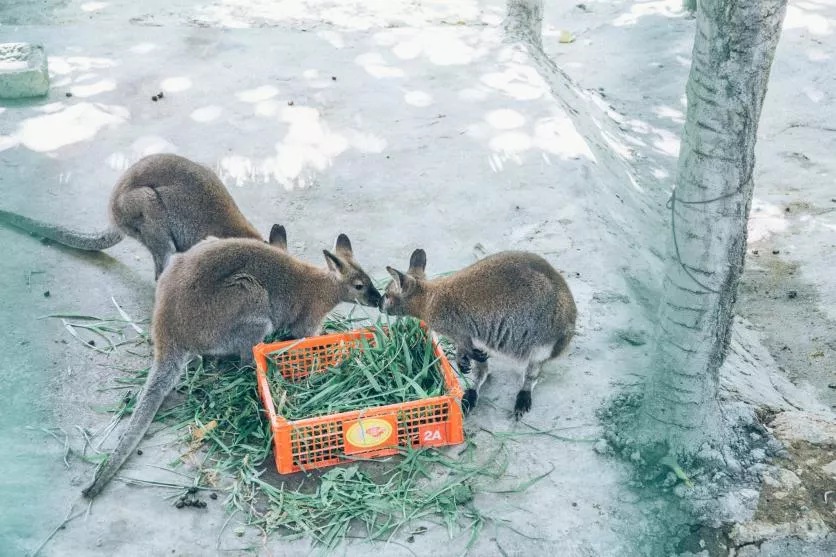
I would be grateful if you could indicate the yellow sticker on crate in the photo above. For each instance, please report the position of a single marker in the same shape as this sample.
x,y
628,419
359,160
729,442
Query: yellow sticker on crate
x,y
365,434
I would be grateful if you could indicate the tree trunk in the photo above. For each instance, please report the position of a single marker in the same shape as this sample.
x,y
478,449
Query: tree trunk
x,y
690,5
734,46
524,19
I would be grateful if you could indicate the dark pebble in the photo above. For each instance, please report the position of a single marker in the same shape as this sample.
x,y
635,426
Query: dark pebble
x,y
213,496
574,504
160,95
832,386
139,452
191,490
179,504
68,94
754,252
410,539
333,78
289,103
154,98
792,294
776,251
46,294
787,209
91,342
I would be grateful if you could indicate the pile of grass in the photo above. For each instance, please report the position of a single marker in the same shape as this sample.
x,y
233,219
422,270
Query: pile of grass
x,y
397,365
222,401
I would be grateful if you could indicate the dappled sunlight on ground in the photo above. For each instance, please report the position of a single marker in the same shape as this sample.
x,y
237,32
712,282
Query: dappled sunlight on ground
x,y
308,148
805,16
351,16
665,8
64,126
142,147
765,220
93,6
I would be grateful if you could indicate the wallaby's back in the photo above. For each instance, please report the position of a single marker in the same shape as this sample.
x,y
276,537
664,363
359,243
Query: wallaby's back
x,y
206,291
191,201
166,202
512,301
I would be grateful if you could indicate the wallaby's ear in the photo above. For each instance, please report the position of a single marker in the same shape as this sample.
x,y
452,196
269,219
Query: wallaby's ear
x,y
278,237
417,263
335,264
403,281
343,246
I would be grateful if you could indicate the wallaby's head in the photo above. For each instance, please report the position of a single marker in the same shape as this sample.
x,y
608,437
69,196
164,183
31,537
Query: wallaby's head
x,y
278,237
353,282
401,293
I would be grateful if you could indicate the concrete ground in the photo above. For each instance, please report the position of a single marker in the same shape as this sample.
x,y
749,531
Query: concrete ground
x,y
402,124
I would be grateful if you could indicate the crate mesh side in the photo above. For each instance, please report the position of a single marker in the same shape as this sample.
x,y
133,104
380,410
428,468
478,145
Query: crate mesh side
x,y
409,420
322,444
316,445
300,362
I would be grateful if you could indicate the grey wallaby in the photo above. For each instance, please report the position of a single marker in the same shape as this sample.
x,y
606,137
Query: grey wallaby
x,y
223,297
511,303
166,202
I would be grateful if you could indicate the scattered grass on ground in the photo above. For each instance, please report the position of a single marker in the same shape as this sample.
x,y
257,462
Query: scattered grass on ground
x,y
220,417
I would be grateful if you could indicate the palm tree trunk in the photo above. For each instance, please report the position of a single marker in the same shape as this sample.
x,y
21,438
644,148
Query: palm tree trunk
x,y
733,50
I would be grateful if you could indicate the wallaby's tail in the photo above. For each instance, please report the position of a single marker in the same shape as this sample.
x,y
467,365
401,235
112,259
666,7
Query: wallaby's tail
x,y
161,380
91,241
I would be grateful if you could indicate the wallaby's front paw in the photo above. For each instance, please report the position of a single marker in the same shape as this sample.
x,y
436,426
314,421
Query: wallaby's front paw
x,y
469,400
464,364
479,355
523,404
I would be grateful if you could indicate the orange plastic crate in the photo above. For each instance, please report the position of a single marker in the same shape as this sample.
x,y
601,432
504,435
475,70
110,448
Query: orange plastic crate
x,y
373,432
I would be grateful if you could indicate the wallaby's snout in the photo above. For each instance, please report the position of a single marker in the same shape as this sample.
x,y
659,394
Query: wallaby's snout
x,y
374,297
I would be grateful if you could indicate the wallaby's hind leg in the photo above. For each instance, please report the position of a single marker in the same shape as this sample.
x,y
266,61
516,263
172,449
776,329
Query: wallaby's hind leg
x,y
161,260
256,331
139,214
159,242
532,374
471,395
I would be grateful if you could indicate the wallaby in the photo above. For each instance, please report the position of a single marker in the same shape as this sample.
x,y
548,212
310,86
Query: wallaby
x,y
222,297
510,303
166,202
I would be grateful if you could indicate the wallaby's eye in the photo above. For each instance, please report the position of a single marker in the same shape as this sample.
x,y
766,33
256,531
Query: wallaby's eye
x,y
358,286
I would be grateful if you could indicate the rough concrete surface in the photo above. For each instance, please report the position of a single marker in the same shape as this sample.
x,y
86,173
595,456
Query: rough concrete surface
x,y
403,124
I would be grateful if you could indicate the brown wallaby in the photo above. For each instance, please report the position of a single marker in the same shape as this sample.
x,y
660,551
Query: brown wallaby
x,y
166,202
510,303
222,297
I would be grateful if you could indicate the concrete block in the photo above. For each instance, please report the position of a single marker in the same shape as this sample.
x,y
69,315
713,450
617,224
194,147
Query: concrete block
x,y
23,71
